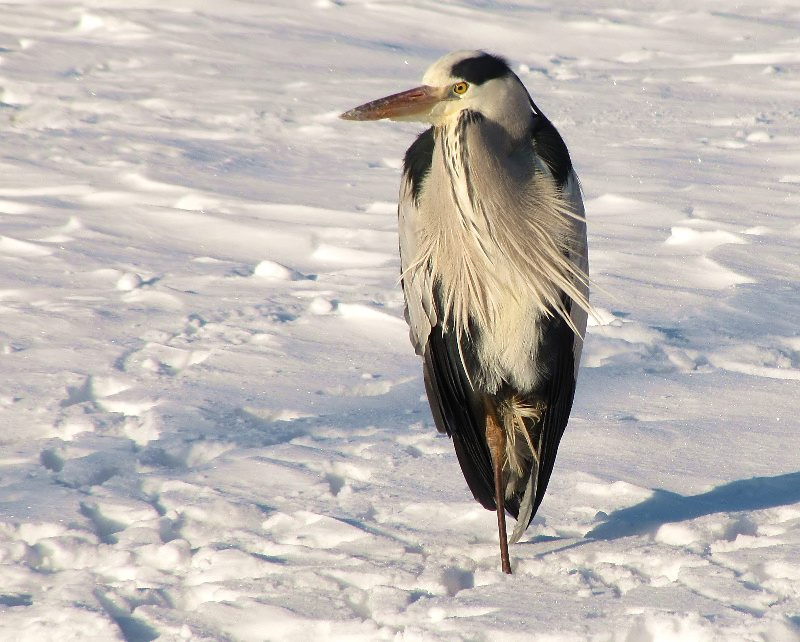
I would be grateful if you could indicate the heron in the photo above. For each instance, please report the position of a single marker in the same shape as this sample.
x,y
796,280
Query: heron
x,y
494,270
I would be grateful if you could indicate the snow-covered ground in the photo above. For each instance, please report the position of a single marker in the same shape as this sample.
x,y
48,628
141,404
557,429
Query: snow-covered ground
x,y
212,424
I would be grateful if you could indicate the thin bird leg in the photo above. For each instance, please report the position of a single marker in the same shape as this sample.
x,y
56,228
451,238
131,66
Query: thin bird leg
x,y
496,440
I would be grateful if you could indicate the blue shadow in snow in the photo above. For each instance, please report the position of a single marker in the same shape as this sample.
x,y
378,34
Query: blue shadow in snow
x,y
665,507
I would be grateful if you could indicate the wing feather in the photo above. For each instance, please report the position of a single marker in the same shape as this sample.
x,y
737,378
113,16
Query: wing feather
x,y
458,409
559,391
565,347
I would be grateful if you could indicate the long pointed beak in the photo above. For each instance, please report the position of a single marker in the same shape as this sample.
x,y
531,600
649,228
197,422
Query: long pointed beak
x,y
413,104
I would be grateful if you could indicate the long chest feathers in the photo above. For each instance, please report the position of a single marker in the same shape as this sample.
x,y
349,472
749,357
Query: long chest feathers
x,y
498,240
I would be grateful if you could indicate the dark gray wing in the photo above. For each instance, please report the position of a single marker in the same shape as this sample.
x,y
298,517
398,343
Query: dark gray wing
x,y
457,409
417,283
557,391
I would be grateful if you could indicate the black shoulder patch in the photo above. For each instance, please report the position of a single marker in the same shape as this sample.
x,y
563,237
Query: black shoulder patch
x,y
551,147
481,68
417,161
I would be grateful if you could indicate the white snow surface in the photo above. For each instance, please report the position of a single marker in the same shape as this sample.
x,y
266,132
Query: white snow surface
x,y
213,423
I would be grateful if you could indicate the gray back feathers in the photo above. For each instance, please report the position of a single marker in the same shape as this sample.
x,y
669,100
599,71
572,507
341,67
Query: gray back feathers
x,y
492,231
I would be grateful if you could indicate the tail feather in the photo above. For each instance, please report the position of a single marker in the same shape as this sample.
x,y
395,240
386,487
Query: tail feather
x,y
526,506
521,470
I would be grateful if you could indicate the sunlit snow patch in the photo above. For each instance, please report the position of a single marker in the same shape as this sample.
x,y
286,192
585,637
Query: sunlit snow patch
x,y
701,241
275,272
14,247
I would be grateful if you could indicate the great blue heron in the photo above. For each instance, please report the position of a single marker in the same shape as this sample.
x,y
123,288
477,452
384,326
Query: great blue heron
x,y
495,274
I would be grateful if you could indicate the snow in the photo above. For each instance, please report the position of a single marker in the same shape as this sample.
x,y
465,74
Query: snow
x,y
213,423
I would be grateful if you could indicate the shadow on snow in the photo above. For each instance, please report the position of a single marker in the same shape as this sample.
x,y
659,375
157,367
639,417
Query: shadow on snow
x,y
665,507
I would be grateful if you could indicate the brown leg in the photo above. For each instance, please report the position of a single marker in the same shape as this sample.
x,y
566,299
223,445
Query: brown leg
x,y
496,439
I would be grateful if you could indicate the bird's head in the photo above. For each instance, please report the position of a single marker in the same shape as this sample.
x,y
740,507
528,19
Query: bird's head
x,y
459,81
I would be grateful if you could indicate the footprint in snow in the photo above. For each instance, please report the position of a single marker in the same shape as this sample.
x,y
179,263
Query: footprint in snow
x,y
162,359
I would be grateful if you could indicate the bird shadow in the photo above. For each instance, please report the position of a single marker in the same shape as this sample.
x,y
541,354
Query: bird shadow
x,y
665,507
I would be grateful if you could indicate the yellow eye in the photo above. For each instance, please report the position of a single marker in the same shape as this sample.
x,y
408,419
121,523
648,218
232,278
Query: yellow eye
x,y
460,88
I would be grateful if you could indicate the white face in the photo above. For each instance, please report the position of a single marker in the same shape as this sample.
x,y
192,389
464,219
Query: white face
x,y
456,92
443,96
492,98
